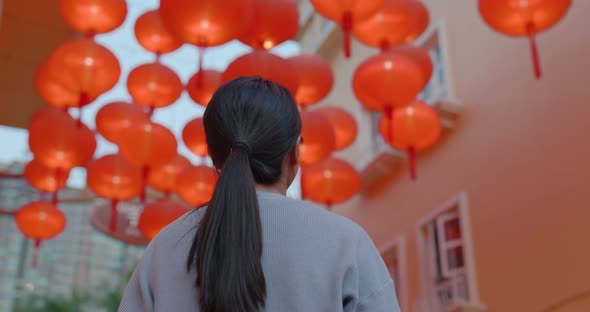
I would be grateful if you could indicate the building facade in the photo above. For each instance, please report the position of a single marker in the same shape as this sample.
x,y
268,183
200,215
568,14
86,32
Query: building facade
x,y
80,258
496,220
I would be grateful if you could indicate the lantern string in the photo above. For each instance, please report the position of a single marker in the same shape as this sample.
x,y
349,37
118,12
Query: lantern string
x,y
200,68
412,161
384,45
36,248
534,50
158,57
389,118
114,215
82,101
145,171
347,28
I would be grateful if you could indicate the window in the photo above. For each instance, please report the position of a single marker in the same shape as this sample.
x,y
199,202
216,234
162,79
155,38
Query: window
x,y
395,260
447,268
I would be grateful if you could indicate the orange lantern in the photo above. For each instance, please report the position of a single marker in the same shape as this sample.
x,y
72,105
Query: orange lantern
x,y
315,78
153,36
154,85
392,78
113,177
266,65
397,22
206,23
163,178
524,18
40,221
59,142
148,145
412,128
201,88
345,128
157,215
330,181
195,184
273,22
85,68
318,138
92,17
193,136
347,13
43,178
113,119
52,92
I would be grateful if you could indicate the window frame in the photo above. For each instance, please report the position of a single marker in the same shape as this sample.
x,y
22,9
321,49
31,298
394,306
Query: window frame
x,y
459,206
398,247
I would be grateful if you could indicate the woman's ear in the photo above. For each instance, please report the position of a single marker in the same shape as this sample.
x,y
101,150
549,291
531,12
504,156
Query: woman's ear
x,y
295,155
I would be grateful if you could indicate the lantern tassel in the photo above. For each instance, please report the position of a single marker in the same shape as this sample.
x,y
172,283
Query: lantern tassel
x,y
200,69
83,101
389,115
534,50
329,205
347,28
36,252
114,215
145,171
412,160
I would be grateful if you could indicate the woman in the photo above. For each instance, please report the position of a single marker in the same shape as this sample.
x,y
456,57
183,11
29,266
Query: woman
x,y
252,248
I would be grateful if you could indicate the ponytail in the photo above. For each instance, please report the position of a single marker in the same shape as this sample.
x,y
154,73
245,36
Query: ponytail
x,y
227,247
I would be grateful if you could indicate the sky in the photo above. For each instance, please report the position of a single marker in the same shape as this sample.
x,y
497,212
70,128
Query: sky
x,y
122,42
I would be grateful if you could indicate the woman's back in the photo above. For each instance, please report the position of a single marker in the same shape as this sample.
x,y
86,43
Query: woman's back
x,y
251,248
313,260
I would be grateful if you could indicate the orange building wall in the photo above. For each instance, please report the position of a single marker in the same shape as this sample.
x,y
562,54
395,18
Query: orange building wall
x,y
521,151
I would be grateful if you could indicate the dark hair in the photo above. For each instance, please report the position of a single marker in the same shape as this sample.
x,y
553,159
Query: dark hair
x,y
251,124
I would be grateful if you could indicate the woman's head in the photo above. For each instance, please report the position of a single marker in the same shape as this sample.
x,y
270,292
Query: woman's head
x,y
252,127
263,117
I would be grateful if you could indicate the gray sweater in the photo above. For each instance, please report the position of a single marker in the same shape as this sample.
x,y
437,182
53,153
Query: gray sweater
x,y
313,260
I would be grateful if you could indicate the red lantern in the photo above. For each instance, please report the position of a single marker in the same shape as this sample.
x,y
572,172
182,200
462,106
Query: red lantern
x,y
92,17
85,68
194,138
154,85
315,78
59,142
330,181
397,22
163,178
206,23
157,215
412,128
195,184
318,138
273,22
153,36
40,221
392,78
113,119
345,128
148,145
347,13
52,92
43,178
524,18
113,177
266,65
202,86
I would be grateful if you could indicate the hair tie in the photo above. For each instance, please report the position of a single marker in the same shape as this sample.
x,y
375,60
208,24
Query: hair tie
x,y
243,146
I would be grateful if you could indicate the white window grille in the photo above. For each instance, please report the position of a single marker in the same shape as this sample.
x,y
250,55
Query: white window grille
x,y
447,264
